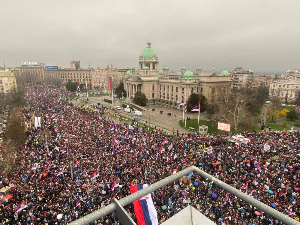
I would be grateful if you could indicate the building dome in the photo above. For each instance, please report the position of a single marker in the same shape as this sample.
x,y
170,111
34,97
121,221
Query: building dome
x,y
148,52
199,67
166,68
128,72
224,73
188,75
132,68
145,68
183,68
160,72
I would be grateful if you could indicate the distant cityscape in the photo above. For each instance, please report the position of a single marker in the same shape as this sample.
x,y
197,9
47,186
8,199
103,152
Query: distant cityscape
x,y
159,85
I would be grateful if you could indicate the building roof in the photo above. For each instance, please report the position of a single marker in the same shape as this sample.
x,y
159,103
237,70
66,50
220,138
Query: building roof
x,y
199,67
148,52
160,72
188,75
183,68
224,73
146,68
132,68
188,216
166,68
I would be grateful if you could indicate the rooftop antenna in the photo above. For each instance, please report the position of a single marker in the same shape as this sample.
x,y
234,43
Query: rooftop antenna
x,y
225,66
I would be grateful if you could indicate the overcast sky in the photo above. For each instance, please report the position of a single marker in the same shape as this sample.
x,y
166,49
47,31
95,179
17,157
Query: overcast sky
x,y
261,35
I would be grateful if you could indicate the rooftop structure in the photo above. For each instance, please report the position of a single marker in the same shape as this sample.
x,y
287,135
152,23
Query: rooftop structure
x,y
123,216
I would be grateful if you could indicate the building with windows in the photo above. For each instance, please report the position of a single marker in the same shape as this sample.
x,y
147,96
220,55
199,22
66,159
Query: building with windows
x,y
31,72
100,77
161,87
242,78
7,81
285,90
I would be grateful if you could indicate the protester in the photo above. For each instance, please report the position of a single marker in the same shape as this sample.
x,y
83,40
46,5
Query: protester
x,y
89,159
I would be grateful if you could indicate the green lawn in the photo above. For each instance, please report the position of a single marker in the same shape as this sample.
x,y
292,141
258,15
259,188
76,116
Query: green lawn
x,y
194,123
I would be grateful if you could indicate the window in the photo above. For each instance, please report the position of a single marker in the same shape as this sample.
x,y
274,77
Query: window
x,y
153,87
152,95
153,66
176,89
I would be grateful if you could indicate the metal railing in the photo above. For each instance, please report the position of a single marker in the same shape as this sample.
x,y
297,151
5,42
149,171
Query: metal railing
x,y
122,214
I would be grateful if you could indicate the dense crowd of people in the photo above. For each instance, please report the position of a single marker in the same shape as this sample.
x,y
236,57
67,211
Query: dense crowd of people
x,y
71,173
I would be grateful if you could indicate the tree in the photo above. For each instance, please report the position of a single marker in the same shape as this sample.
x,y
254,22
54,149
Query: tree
x,y
292,115
16,132
236,112
297,102
140,99
16,97
72,86
297,109
194,100
120,89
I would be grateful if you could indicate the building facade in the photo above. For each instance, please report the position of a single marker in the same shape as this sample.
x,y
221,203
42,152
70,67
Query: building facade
x,y
242,78
285,90
161,87
31,72
7,81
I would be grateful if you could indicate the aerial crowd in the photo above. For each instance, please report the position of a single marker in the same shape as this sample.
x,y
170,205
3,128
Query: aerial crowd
x,y
89,158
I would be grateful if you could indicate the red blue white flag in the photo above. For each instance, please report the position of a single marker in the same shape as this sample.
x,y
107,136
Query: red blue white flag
x,y
94,175
144,209
112,127
196,108
22,206
115,184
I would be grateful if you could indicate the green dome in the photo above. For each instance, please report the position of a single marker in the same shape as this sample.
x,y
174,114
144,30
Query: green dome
x,y
128,72
183,68
148,52
224,73
166,68
146,68
132,68
199,67
160,72
188,75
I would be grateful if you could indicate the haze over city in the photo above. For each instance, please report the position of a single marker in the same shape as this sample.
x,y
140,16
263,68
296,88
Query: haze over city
x,y
257,35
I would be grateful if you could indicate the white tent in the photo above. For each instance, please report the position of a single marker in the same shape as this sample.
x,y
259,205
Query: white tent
x,y
188,216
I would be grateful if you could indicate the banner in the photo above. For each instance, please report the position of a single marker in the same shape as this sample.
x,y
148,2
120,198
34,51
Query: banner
x,y
37,122
223,126
144,209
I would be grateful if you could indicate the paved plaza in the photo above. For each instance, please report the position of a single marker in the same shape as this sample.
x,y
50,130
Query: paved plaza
x,y
168,123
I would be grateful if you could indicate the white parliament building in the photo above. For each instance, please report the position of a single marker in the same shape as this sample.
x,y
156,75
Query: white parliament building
x,y
161,87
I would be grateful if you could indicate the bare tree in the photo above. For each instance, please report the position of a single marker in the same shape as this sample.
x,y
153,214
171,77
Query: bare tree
x,y
236,112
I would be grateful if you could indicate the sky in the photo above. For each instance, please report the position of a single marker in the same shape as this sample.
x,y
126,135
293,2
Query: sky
x,y
259,35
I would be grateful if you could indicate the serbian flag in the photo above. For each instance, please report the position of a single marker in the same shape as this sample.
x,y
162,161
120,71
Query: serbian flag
x,y
165,141
182,103
94,175
112,127
185,109
115,184
22,206
162,148
196,108
144,209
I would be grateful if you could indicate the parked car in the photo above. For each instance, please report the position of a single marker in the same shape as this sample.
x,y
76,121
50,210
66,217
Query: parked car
x,y
137,113
118,107
127,110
